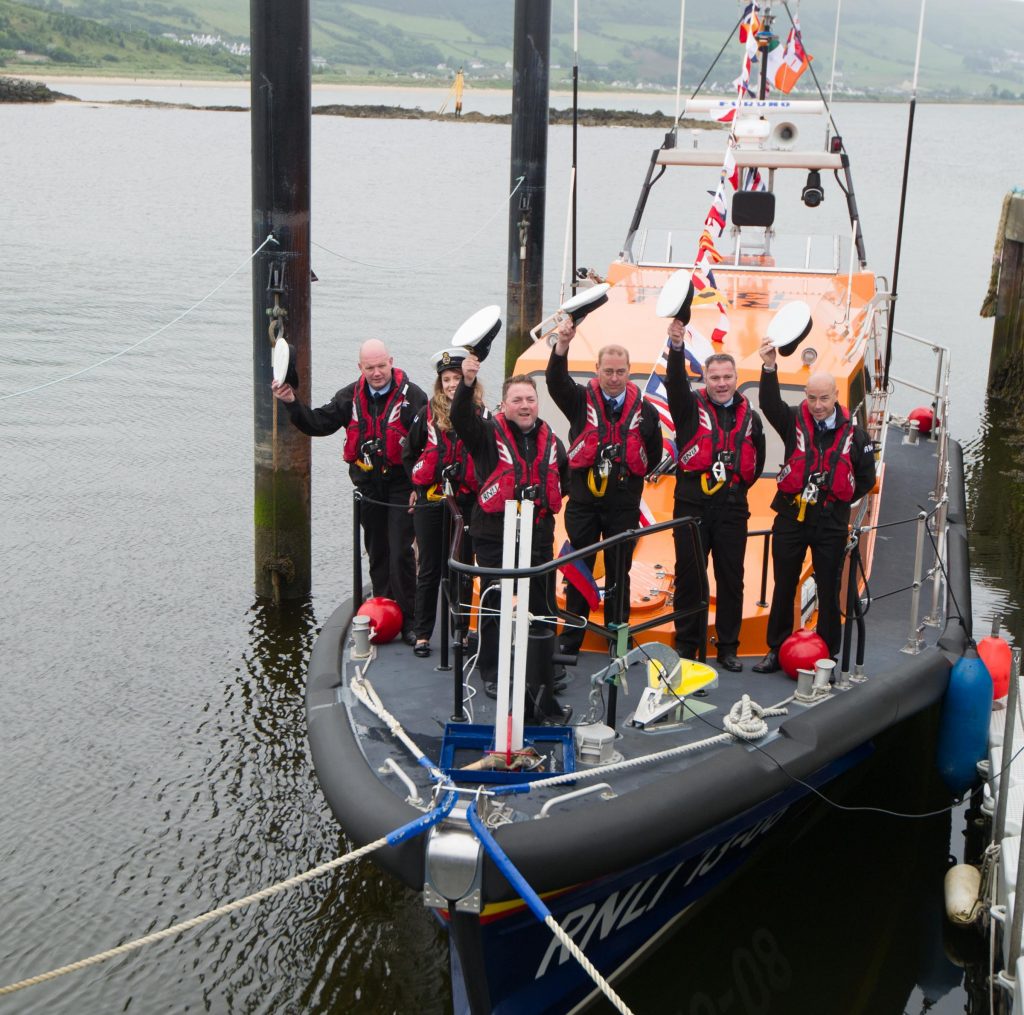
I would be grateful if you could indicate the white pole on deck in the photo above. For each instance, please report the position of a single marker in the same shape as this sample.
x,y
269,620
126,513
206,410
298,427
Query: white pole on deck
x,y
508,560
522,643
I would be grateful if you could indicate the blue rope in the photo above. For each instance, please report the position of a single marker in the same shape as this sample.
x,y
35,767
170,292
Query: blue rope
x,y
505,865
424,822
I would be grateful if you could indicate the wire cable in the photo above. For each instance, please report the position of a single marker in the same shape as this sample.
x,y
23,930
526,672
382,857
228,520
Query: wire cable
x,y
141,341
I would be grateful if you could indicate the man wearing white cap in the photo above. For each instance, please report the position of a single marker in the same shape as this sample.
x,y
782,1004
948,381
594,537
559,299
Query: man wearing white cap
x,y
376,412
830,463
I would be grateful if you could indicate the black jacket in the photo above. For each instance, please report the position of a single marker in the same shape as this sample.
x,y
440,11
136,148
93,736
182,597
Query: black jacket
x,y
477,433
571,398
783,418
337,414
682,404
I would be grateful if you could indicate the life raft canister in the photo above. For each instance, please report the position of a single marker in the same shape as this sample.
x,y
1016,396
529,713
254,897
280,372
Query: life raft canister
x,y
725,454
444,458
617,444
516,479
377,438
830,472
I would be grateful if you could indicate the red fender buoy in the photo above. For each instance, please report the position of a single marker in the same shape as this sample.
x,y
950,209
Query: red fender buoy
x,y
801,650
385,619
925,419
995,654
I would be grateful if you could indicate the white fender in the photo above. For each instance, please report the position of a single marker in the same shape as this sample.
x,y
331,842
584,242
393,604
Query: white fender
x,y
962,886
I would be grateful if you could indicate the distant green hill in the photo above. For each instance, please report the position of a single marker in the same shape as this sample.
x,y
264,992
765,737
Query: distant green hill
x,y
58,42
971,49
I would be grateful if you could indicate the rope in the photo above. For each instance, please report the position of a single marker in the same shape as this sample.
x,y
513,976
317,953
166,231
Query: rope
x,y
415,827
538,908
392,266
160,330
365,692
746,719
618,766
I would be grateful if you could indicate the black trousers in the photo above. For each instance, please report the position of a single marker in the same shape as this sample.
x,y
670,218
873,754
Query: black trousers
x,y
542,596
388,536
723,535
586,523
432,552
790,542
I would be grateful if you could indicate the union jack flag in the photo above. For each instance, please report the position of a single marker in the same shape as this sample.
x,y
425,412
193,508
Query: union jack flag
x,y
655,393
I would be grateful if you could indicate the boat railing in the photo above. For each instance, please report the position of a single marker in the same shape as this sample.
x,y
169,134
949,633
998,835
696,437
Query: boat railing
x,y
617,635
761,250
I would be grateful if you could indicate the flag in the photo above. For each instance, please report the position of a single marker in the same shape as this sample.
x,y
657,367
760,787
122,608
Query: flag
x,y
795,60
751,23
646,514
700,284
657,395
579,576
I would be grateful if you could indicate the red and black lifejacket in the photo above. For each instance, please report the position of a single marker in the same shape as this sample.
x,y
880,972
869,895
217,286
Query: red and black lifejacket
x,y
710,443
831,470
516,479
377,438
444,458
617,443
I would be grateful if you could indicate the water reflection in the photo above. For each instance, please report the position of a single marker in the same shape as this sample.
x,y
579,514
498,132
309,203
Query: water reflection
x,y
994,463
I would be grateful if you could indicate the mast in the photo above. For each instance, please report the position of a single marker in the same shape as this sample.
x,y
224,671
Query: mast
x,y
531,50
903,201
280,119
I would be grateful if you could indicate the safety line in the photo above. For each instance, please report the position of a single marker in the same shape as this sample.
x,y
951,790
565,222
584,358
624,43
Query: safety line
x,y
160,330
436,260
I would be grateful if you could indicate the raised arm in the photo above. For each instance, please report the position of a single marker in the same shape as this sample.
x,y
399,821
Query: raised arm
x,y
466,421
565,392
769,396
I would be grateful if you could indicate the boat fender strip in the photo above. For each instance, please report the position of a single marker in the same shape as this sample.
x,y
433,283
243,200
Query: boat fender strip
x,y
538,908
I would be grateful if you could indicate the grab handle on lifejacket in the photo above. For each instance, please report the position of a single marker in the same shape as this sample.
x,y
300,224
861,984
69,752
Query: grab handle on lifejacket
x,y
597,486
433,494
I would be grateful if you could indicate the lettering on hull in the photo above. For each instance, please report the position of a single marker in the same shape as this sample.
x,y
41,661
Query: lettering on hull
x,y
599,921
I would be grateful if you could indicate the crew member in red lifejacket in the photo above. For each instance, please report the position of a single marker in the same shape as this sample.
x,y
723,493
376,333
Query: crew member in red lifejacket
x,y
438,465
614,441
720,453
376,412
829,464
516,456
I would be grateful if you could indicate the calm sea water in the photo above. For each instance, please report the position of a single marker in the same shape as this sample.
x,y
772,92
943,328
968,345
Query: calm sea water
x,y
154,754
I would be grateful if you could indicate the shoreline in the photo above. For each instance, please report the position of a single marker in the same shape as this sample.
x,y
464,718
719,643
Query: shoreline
x,y
54,80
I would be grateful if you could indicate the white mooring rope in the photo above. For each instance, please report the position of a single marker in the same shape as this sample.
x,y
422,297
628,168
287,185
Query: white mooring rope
x,y
196,921
586,965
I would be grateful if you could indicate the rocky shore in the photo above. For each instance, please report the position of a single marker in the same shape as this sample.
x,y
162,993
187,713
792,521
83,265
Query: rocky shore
x,y
585,117
20,90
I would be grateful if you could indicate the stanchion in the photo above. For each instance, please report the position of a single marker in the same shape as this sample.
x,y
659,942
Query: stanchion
x,y
446,541
357,552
